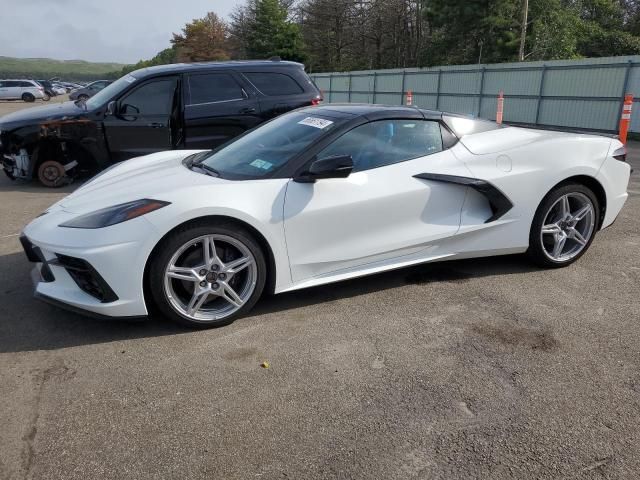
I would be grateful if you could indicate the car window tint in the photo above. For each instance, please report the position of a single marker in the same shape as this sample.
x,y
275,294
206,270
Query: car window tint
x,y
25,84
213,87
386,142
154,98
270,146
274,83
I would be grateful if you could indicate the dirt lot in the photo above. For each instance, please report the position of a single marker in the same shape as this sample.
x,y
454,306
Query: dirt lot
x,y
8,106
472,369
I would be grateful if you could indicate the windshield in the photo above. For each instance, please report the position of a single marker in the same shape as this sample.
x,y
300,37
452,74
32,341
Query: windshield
x,y
108,92
267,148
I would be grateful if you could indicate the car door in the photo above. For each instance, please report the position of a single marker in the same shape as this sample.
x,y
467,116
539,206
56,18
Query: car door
x,y
141,123
12,89
217,109
280,92
381,211
4,90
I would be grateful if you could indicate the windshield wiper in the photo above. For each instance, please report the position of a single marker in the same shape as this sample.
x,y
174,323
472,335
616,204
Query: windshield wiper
x,y
206,168
209,169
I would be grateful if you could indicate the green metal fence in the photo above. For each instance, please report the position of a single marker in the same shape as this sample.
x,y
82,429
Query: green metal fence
x,y
583,94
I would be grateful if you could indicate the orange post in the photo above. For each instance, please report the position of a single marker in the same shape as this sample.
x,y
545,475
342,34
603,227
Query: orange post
x,y
409,98
500,107
625,118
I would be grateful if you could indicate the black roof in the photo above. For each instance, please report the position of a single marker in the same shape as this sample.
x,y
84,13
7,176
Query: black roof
x,y
373,111
194,67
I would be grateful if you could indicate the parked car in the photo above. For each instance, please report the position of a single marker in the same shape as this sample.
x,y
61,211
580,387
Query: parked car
x,y
183,106
58,89
25,90
89,91
317,196
49,88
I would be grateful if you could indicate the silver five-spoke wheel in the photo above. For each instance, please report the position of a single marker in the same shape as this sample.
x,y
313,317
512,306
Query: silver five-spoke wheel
x,y
567,227
210,277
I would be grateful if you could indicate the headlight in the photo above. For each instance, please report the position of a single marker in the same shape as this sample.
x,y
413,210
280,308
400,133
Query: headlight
x,y
116,214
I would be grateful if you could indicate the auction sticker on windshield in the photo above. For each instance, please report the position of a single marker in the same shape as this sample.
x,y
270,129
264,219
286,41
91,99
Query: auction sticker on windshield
x,y
315,122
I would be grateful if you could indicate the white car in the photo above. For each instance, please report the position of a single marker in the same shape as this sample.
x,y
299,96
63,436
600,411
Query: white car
x,y
59,89
320,195
26,90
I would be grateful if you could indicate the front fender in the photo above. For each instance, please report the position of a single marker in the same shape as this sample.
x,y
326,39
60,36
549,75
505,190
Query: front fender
x,y
258,204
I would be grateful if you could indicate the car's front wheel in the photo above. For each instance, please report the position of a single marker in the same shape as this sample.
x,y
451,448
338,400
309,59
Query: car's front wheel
x,y
207,275
28,97
564,226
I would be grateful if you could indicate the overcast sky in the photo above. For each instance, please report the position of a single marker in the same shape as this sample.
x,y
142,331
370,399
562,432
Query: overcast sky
x,y
97,30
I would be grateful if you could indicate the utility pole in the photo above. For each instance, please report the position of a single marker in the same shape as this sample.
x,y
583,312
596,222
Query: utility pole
x,y
523,32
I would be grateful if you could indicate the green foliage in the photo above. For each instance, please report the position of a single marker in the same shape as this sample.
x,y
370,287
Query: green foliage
x,y
168,55
268,32
337,35
44,68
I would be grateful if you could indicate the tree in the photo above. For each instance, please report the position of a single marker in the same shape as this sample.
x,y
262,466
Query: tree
x,y
168,55
474,31
262,29
201,40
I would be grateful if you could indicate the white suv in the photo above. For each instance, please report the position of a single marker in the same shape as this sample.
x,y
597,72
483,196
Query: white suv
x,y
26,90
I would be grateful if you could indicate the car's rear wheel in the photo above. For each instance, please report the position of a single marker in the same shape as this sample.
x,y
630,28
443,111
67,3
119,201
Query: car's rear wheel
x,y
564,226
207,275
46,97
28,97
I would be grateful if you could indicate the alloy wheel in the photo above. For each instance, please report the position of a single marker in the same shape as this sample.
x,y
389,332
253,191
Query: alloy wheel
x,y
210,277
568,226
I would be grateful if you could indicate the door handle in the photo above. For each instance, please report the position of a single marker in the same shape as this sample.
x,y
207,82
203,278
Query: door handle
x,y
155,125
248,110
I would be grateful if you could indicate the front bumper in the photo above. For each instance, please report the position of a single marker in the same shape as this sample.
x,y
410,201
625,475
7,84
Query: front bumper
x,y
99,272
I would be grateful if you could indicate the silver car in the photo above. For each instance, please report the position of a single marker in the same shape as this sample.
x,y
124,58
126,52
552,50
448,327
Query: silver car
x,y
26,90
84,93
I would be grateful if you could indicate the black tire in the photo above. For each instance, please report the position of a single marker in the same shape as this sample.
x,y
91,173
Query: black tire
x,y
28,97
536,251
170,244
83,98
46,97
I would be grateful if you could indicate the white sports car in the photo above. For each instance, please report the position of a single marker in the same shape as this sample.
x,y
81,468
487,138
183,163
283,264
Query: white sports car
x,y
315,196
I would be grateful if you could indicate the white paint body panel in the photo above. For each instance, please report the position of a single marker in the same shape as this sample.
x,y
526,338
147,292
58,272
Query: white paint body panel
x,y
334,229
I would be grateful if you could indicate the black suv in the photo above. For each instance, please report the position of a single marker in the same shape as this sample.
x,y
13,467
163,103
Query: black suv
x,y
179,106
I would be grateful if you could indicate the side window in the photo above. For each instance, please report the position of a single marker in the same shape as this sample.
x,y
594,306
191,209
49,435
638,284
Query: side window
x,y
154,98
385,142
26,84
274,83
213,87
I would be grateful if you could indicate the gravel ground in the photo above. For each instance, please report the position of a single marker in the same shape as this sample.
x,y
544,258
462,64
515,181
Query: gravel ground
x,y
484,368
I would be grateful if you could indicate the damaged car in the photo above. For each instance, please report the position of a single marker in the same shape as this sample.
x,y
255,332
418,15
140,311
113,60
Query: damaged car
x,y
179,106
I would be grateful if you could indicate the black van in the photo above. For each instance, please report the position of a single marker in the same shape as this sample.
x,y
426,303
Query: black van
x,y
178,106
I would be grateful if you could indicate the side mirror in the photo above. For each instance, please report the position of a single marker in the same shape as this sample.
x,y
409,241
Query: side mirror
x,y
338,166
128,112
111,108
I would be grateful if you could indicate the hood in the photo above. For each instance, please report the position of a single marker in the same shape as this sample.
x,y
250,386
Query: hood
x,y
61,111
152,176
